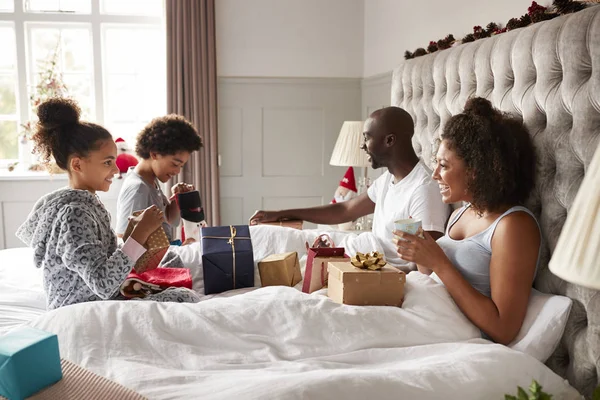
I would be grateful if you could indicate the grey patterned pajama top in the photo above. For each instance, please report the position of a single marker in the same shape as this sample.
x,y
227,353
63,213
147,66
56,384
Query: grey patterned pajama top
x,y
69,231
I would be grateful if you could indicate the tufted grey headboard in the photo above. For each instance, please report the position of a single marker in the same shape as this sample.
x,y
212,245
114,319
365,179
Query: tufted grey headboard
x,y
549,74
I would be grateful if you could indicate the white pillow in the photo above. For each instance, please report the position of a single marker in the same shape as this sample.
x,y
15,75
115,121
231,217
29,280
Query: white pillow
x,y
543,326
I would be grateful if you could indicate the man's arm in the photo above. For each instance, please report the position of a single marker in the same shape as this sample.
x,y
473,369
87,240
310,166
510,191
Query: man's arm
x,y
329,214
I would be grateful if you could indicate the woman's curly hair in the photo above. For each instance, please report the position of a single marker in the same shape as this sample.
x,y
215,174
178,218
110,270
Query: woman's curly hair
x,y
167,135
59,133
498,153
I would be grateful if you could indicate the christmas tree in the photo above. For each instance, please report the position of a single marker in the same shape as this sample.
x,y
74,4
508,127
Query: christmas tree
x,y
49,84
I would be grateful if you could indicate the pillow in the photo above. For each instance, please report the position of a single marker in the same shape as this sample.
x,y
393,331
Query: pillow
x,y
543,326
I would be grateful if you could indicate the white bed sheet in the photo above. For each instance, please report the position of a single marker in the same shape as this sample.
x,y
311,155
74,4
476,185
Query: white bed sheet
x,y
277,342
21,293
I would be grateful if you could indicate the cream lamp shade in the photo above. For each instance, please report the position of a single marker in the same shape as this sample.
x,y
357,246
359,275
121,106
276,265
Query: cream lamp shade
x,y
347,151
576,258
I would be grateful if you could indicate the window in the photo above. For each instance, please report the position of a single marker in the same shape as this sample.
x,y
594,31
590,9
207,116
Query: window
x,y
8,94
109,54
135,82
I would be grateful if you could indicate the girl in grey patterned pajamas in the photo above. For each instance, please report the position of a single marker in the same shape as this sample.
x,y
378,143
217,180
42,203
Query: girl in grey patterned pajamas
x,y
69,229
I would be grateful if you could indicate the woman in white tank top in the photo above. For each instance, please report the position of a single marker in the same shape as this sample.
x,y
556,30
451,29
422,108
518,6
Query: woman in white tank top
x,y
489,256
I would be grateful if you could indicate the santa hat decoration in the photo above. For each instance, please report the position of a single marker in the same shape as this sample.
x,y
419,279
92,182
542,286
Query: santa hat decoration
x,y
124,159
348,180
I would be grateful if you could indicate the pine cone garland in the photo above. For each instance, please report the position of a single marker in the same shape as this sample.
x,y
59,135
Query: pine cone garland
x,y
567,6
525,20
468,38
479,32
491,28
535,13
512,23
419,52
446,42
432,48
535,8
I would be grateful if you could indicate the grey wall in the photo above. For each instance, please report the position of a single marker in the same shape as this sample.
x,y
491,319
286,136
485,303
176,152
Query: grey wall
x,y
276,136
376,92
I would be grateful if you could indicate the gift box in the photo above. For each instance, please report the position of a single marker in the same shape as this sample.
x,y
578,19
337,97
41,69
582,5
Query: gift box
x,y
316,275
291,223
29,361
80,383
155,281
364,287
156,246
280,270
227,258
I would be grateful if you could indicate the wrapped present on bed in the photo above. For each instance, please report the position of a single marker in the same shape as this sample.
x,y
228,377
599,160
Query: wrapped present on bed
x,y
280,270
227,258
365,286
289,223
156,246
29,361
316,275
155,281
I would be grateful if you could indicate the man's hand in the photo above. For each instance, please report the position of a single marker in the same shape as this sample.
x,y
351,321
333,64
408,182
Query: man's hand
x,y
264,216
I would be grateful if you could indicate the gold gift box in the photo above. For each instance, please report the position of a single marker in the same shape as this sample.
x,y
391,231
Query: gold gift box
x,y
280,270
156,246
363,287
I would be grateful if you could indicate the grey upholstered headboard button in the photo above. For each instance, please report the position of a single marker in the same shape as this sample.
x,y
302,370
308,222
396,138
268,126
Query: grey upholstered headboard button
x,y
549,74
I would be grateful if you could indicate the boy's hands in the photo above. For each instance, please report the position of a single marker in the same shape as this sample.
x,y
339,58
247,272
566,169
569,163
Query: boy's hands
x,y
182,188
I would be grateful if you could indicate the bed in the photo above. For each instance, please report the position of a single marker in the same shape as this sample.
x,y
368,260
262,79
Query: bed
x,y
277,342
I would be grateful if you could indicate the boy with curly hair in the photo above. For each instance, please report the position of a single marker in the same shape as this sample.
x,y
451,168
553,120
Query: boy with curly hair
x,y
164,146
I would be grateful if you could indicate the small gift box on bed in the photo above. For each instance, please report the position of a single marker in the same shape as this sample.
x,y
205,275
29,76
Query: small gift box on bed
x,y
156,246
316,275
227,258
280,270
29,361
290,223
365,287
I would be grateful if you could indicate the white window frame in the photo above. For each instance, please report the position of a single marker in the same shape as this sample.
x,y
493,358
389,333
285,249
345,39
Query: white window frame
x,y
95,19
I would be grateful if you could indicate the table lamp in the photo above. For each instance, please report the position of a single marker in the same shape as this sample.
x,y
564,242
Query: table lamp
x,y
576,258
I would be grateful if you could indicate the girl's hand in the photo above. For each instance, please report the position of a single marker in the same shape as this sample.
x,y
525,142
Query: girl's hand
x,y
148,221
423,251
182,188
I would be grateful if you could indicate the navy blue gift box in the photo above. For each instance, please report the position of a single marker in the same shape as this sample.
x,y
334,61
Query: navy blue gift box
x,y
227,258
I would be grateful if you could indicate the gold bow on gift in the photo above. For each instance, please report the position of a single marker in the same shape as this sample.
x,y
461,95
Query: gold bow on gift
x,y
231,240
372,261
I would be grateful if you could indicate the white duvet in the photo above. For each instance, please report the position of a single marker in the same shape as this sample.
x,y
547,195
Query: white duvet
x,y
279,343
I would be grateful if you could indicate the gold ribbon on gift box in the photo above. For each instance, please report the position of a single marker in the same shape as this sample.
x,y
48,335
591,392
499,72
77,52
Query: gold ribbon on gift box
x,y
231,240
372,261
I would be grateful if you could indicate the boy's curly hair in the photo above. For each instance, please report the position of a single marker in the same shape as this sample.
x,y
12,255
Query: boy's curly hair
x,y
497,151
167,135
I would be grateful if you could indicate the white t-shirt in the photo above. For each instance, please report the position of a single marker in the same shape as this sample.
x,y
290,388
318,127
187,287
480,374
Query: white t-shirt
x,y
417,195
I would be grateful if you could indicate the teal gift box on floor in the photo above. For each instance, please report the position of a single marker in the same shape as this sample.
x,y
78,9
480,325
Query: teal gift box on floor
x,y
29,362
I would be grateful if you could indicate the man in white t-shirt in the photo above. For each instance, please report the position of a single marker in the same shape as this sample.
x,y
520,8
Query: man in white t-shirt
x,y
405,190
